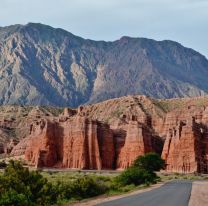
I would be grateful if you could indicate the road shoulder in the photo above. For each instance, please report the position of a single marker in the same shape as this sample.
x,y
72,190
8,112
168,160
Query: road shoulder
x,y
199,194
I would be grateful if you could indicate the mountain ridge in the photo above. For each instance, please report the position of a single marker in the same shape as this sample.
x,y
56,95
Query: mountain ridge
x,y
40,65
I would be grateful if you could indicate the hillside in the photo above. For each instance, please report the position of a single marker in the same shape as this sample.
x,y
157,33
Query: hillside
x,y
41,65
16,120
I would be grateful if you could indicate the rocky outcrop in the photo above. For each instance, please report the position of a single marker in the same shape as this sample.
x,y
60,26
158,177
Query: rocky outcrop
x,y
74,141
8,147
15,125
185,149
111,134
137,142
77,142
20,148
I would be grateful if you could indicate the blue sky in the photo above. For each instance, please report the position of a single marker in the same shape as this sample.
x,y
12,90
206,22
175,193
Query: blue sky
x,y
185,21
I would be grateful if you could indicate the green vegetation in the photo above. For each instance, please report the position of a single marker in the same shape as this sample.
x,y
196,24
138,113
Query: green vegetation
x,y
150,162
178,103
19,186
136,176
117,113
142,171
177,176
3,164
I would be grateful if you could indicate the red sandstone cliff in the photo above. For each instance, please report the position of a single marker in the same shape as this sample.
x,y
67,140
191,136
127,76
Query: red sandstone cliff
x,y
73,143
79,138
138,141
185,149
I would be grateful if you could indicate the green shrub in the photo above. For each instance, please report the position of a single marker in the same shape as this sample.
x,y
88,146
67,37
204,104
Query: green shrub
x,y
3,164
19,186
64,190
25,187
136,176
150,162
85,187
82,187
11,197
127,188
142,171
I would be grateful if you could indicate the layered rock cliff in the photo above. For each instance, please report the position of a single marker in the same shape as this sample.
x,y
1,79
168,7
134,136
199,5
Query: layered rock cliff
x,y
186,145
80,142
75,143
111,134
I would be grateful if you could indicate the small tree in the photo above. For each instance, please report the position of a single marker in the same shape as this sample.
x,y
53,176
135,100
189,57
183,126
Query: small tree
x,y
136,176
142,171
23,187
150,162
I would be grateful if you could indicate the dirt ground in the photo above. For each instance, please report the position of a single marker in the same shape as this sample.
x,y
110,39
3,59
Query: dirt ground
x,y
199,194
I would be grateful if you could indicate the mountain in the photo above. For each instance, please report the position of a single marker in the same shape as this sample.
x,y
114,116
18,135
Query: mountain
x,y
40,65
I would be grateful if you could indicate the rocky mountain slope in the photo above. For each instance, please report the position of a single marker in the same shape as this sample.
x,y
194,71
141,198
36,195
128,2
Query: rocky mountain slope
x,y
110,134
40,65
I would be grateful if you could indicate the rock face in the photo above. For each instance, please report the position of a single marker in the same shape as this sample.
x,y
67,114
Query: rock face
x,y
15,125
41,65
111,134
185,149
138,141
77,142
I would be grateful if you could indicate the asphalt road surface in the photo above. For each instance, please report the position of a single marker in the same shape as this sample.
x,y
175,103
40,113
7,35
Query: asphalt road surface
x,y
175,193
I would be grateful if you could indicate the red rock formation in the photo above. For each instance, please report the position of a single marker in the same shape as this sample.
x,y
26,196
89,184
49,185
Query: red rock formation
x,y
134,145
42,146
1,148
20,148
106,145
78,138
184,148
75,143
80,145
7,147
138,141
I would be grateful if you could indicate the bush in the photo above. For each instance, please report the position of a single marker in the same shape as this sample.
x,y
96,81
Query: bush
x,y
136,176
23,187
11,197
150,162
85,187
64,192
142,171
3,164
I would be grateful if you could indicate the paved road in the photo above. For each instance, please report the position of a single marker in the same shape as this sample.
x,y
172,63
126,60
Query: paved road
x,y
175,193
